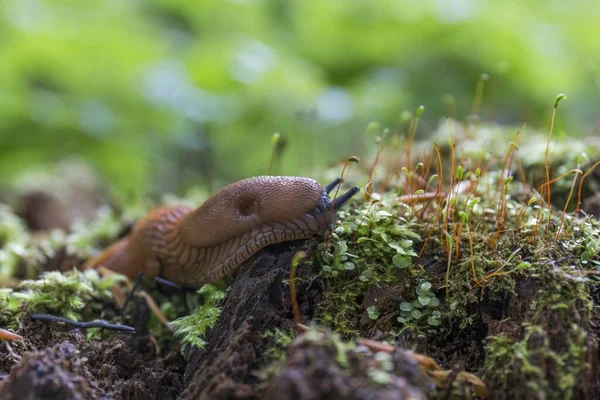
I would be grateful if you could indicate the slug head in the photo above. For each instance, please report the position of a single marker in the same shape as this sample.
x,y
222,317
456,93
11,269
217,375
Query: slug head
x,y
247,204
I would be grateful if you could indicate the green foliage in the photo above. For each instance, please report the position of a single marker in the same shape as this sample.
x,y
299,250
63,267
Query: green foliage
x,y
87,235
191,329
524,360
276,353
591,244
380,236
76,295
375,244
12,241
8,306
372,312
29,251
329,339
369,246
20,248
11,226
421,314
381,370
281,340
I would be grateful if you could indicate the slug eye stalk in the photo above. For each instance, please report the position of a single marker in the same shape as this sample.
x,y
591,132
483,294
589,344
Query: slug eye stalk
x,y
332,185
343,199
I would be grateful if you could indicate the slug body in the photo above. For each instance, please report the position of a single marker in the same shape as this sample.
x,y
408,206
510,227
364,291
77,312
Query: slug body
x,y
193,247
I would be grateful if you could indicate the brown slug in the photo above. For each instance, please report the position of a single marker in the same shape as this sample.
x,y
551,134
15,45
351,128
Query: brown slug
x,y
193,247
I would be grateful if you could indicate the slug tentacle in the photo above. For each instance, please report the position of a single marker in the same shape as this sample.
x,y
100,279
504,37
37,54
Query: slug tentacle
x,y
343,199
200,246
332,185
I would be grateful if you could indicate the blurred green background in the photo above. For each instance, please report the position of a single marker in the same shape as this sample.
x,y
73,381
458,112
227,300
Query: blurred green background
x,y
163,94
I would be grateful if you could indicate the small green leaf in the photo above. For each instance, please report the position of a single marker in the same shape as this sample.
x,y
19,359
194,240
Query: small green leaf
x,y
405,306
424,300
372,312
406,243
425,286
585,256
473,202
434,302
401,261
366,275
399,249
523,265
382,214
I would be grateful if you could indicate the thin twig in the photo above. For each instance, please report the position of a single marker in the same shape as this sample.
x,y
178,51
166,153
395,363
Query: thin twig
x,y
6,335
92,324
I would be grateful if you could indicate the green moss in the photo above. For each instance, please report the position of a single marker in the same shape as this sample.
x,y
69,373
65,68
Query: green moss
x,y
19,248
86,236
77,295
488,254
191,329
369,246
533,365
381,371
275,355
281,340
552,352
422,313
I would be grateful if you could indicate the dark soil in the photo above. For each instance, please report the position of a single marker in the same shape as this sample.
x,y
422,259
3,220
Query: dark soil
x,y
62,364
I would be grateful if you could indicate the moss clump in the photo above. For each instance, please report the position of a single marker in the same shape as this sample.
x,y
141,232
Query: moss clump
x,y
281,340
21,251
533,364
275,355
496,259
86,236
77,295
552,351
25,254
191,329
369,247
